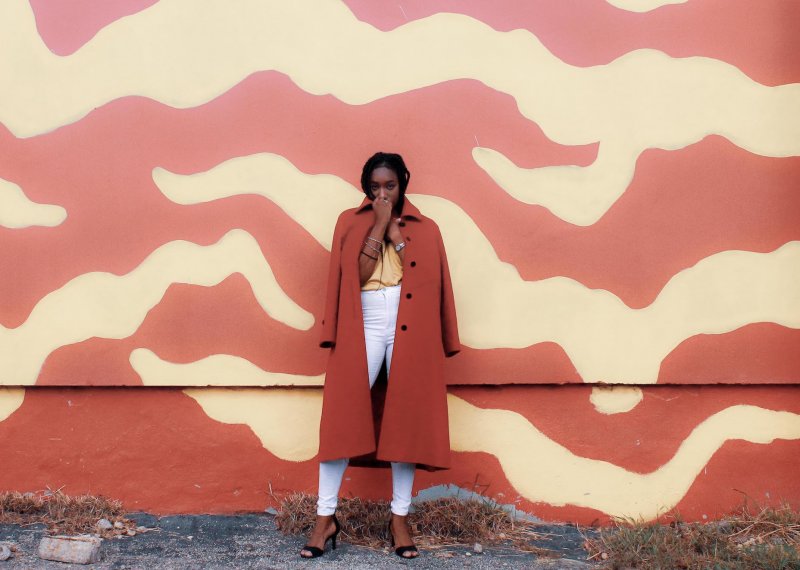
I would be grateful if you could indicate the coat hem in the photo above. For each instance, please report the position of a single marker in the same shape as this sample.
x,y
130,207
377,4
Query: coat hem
x,y
370,460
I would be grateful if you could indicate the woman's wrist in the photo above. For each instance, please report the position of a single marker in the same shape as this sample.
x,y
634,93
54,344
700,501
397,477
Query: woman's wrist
x,y
379,228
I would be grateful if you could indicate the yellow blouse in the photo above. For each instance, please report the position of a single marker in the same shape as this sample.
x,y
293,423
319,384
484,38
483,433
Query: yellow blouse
x,y
388,270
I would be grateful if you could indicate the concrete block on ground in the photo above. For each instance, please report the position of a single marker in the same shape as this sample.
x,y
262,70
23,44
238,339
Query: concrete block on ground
x,y
72,549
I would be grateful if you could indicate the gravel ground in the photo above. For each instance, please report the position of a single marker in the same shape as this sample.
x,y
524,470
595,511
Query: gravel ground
x,y
252,541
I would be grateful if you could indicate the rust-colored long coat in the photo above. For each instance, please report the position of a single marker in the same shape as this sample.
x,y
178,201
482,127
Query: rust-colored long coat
x,y
413,426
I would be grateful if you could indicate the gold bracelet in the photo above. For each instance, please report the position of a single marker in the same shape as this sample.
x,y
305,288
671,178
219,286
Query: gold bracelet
x,y
375,240
368,255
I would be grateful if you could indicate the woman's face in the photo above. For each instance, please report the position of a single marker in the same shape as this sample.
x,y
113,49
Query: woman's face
x,y
384,184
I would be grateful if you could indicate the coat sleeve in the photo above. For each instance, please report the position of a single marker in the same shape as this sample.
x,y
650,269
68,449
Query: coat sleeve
x,y
450,340
330,315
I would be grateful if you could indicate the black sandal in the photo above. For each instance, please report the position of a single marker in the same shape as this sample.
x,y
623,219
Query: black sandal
x,y
400,550
317,552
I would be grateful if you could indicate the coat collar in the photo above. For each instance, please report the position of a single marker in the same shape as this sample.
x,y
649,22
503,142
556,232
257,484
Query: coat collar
x,y
410,211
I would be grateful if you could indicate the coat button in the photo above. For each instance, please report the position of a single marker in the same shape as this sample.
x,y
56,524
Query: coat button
x,y
403,327
408,238
413,264
402,224
408,296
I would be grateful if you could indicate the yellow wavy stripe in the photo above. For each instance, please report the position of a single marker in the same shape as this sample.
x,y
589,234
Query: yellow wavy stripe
x,y
544,471
606,340
111,306
183,53
214,370
615,399
642,5
10,401
286,420
313,200
18,211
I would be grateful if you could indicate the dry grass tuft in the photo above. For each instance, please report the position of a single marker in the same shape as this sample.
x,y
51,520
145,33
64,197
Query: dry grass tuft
x,y
63,514
767,539
435,523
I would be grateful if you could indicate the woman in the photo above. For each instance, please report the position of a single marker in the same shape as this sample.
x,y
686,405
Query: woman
x,y
389,298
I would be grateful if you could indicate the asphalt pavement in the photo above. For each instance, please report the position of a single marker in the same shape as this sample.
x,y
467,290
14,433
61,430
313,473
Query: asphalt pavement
x,y
252,541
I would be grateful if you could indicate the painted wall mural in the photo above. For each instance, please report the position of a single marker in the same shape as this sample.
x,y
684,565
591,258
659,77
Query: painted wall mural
x,y
616,185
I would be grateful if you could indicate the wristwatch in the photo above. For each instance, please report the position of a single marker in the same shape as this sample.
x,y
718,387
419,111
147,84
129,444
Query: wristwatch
x,y
400,246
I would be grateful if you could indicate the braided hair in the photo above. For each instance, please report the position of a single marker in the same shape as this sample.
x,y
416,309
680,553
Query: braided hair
x,y
393,162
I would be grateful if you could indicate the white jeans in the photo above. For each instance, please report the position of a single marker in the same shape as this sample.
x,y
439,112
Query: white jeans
x,y
380,319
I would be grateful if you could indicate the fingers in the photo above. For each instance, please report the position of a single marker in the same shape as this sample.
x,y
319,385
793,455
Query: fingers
x,y
381,203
